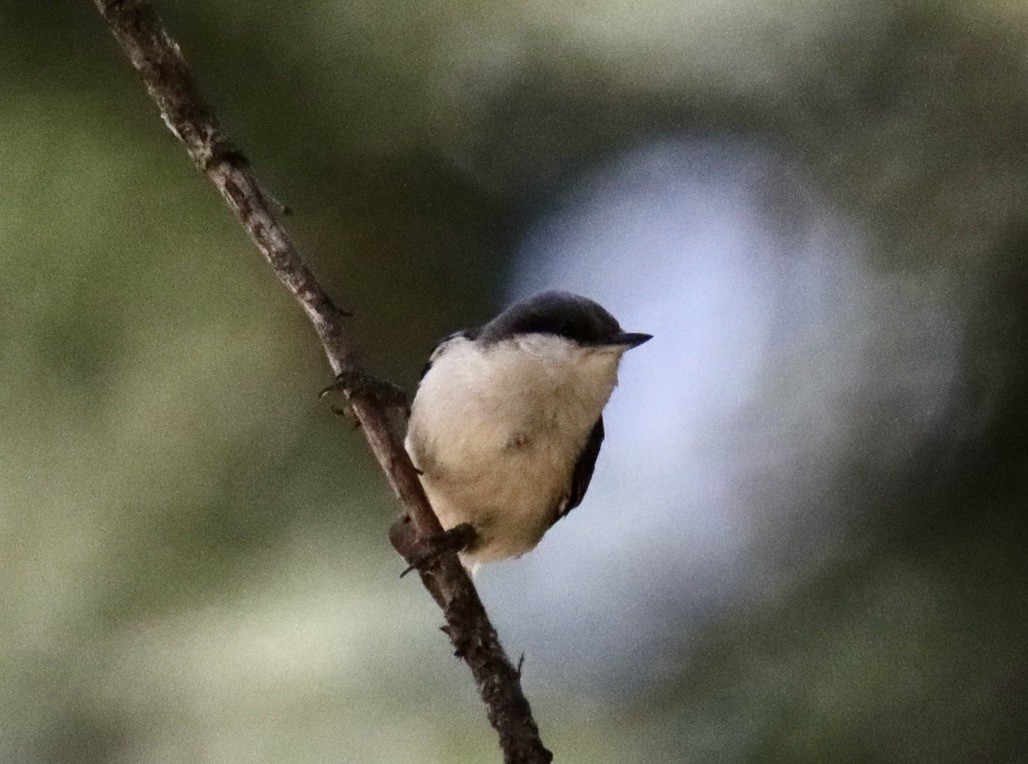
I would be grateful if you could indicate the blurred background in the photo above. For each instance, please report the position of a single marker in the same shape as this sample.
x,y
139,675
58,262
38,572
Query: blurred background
x,y
804,540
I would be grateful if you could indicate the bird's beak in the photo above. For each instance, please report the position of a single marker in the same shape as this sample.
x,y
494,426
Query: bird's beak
x,y
630,339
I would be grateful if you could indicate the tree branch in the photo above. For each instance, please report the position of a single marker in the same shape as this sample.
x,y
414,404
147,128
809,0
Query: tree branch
x,y
170,82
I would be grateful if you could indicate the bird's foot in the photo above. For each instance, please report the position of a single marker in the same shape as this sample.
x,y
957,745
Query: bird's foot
x,y
357,384
456,539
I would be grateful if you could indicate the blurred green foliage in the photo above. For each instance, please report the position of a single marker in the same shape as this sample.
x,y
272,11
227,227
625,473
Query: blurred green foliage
x,y
193,547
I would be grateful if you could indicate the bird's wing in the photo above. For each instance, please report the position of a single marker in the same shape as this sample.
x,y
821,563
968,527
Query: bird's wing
x,y
583,472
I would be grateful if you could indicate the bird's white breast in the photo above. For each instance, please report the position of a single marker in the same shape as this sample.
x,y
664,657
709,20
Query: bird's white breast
x,y
496,432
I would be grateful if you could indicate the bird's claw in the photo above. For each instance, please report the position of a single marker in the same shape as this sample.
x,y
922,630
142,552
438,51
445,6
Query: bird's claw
x,y
357,384
456,539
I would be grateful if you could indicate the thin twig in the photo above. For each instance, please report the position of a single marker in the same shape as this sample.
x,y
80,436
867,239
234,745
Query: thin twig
x,y
170,81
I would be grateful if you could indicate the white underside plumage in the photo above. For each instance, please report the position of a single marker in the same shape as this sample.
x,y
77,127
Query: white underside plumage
x,y
496,431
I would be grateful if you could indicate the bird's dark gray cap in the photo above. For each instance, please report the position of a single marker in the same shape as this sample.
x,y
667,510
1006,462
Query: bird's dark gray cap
x,y
562,314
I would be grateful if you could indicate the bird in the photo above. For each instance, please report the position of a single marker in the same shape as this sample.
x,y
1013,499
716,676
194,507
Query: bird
x,y
507,421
